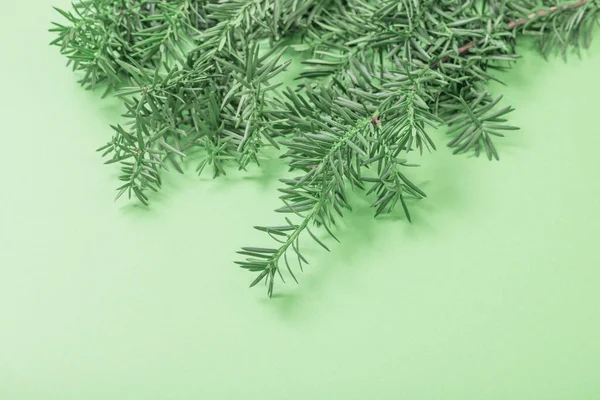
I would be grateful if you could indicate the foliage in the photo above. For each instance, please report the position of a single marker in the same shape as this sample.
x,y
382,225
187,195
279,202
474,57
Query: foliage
x,y
377,76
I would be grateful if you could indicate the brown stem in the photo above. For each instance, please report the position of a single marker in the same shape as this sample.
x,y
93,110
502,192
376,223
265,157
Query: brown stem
x,y
461,50
466,47
521,21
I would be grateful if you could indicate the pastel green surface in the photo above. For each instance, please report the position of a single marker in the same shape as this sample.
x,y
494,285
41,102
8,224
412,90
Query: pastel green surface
x,y
492,292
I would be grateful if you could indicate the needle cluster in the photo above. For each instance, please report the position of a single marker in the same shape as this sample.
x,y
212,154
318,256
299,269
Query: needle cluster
x,y
378,75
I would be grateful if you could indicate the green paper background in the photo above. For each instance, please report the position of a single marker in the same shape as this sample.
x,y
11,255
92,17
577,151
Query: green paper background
x,y
492,292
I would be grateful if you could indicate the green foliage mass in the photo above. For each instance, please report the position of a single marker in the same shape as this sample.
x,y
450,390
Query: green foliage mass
x,y
205,75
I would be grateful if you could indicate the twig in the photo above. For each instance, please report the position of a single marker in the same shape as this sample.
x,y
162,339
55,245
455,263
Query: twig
x,y
552,10
521,21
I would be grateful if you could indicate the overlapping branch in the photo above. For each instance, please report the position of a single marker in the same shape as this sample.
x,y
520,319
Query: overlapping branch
x,y
377,77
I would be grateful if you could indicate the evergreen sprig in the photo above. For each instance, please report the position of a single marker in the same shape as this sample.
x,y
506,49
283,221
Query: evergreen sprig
x,y
206,76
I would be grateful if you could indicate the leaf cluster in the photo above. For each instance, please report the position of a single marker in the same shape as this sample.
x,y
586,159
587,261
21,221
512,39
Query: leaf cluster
x,y
377,76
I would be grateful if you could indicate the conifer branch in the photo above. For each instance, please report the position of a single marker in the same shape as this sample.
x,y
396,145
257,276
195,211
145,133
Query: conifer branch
x,y
205,76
